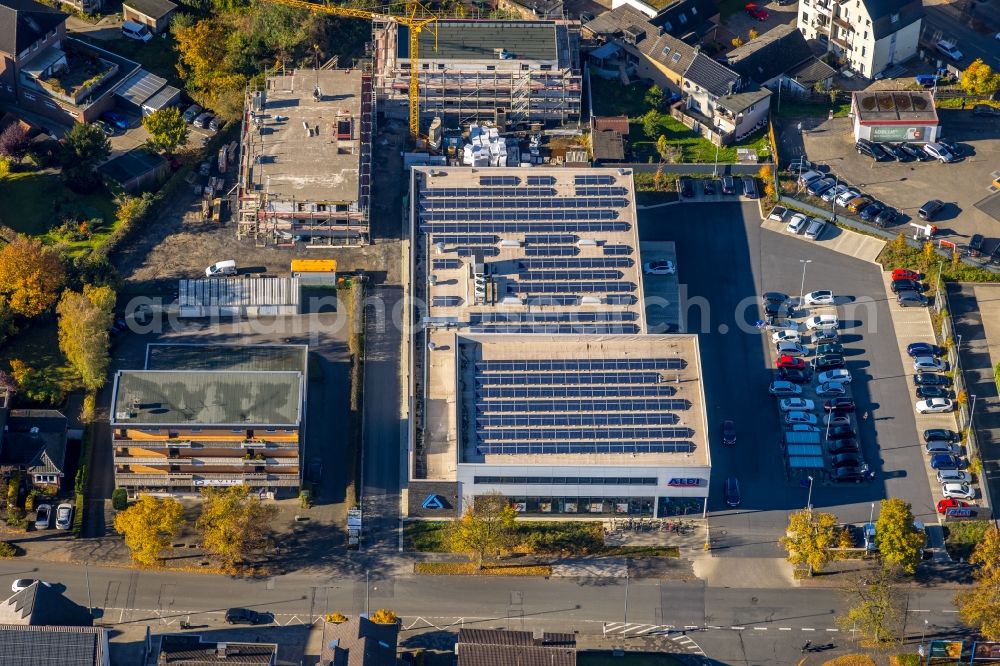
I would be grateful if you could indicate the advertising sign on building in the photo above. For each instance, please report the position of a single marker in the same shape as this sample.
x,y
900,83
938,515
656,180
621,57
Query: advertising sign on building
x,y
900,133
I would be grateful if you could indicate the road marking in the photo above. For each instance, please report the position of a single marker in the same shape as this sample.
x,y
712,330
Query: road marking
x,y
808,629
760,628
738,628
784,628
919,610
833,629
690,626
949,611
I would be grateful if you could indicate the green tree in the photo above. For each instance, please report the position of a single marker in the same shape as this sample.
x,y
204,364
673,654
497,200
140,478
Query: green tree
x,y
654,98
979,606
663,148
84,320
31,276
167,129
876,612
486,528
234,524
149,526
651,122
899,541
980,79
809,537
83,147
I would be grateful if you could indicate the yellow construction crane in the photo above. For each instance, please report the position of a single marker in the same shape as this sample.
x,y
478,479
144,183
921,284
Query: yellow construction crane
x,y
416,19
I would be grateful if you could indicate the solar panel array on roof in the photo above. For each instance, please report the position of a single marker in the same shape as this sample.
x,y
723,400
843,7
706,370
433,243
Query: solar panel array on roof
x,y
435,227
561,329
598,179
581,262
456,239
517,202
541,180
477,251
550,406
499,180
446,301
613,250
551,251
551,239
445,264
509,317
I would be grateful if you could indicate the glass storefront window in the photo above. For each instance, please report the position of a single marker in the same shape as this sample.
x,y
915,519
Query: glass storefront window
x,y
634,506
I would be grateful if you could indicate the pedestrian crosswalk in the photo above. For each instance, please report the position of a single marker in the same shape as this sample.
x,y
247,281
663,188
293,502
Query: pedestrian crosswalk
x,y
675,634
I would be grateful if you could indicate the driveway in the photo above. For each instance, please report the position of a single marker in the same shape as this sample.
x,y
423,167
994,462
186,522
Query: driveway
x,y
719,301
908,185
741,24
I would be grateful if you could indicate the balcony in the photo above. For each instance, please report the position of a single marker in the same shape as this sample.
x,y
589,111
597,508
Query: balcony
x,y
843,24
841,42
824,8
71,75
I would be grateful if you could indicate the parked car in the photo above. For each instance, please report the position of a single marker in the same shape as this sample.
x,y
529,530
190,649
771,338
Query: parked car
x,y
836,419
795,375
931,379
831,390
802,427
961,491
708,187
938,446
772,302
819,297
929,364
935,406
830,348
844,197
728,185
799,164
136,31
750,188
203,119
949,49
24,583
871,211
953,476
868,532
951,503
857,203
828,362
838,446
818,187
908,299
732,492
930,209
822,321
845,460
847,475
985,110
755,12
886,217
952,147
191,113
115,119
904,274
976,244
840,432
780,387
800,417
687,187
916,152
659,267
796,224
825,334
215,124
941,433
924,349
808,177
107,128
894,152
834,192
728,432
786,335
777,213
43,517
791,349
926,392
872,150
842,405
790,362
243,616
815,228
64,516
795,404
939,152
838,375
905,285
946,461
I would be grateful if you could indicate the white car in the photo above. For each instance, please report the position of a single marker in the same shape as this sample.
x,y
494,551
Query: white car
x,y
949,49
25,583
822,321
801,417
815,229
808,177
831,390
839,375
796,404
827,334
44,517
958,491
659,267
845,197
833,193
833,420
803,427
935,406
780,387
953,475
64,516
929,364
939,152
786,335
796,224
778,213
819,297
791,349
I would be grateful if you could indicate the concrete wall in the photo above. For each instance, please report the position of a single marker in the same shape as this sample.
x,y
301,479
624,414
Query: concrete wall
x,y
885,53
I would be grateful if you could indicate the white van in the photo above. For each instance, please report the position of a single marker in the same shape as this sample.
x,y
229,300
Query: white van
x,y
137,31
227,267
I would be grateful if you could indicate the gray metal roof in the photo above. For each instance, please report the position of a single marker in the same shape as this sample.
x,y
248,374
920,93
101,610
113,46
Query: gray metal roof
x,y
140,86
238,291
482,40
192,650
154,9
167,96
66,646
167,356
714,77
241,399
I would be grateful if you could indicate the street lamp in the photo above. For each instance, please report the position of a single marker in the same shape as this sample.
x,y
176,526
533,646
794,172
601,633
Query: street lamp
x,y
802,286
972,412
833,201
958,347
809,500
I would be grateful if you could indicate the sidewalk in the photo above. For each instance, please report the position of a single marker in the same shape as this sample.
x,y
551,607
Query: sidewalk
x,y
838,239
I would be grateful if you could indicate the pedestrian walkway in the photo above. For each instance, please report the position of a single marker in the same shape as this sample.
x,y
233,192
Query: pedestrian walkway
x,y
745,572
838,239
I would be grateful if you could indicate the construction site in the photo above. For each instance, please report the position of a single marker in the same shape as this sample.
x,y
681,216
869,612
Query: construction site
x,y
306,158
512,73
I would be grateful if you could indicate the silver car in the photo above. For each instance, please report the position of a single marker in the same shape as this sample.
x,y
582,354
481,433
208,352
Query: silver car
x,y
815,229
844,197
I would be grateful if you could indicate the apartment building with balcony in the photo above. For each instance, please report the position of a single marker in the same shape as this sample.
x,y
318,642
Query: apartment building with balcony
x,y
869,36
210,415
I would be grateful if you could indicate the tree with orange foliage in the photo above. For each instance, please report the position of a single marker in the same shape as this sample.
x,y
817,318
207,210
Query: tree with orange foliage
x,y
31,276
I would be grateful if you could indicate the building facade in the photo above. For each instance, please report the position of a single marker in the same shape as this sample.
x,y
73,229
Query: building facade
x,y
210,415
869,36
895,115
508,72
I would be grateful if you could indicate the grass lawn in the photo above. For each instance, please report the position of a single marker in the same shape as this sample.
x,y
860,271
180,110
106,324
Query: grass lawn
x,y
37,202
694,147
611,98
963,537
425,536
790,109
157,55
38,346
599,658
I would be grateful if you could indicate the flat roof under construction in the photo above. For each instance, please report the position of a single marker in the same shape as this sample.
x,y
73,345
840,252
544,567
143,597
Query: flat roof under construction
x,y
290,162
483,40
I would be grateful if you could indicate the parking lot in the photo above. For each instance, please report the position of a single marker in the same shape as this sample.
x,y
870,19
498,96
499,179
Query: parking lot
x,y
720,300
906,186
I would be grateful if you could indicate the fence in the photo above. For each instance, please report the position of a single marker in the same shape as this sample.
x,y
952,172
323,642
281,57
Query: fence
x,y
702,128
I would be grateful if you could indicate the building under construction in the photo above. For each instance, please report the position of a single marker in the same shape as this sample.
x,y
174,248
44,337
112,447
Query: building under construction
x,y
305,158
509,72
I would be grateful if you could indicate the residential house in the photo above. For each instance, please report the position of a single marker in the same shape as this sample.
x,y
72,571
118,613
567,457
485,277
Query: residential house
x,y
154,14
42,605
34,443
134,171
780,57
65,646
192,650
359,642
490,647
44,71
691,21
869,36
607,138
727,107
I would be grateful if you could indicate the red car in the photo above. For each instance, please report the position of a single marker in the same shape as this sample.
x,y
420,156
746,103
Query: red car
x,y
756,12
905,274
950,503
790,362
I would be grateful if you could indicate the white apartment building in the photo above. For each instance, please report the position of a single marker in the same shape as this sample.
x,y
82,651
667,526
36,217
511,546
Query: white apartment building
x,y
869,36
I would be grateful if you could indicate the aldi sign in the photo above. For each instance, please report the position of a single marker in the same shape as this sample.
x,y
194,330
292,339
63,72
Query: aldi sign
x,y
960,512
682,482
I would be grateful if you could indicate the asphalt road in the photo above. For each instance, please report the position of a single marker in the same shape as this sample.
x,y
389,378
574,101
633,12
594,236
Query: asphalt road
x,y
719,297
744,626
972,44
